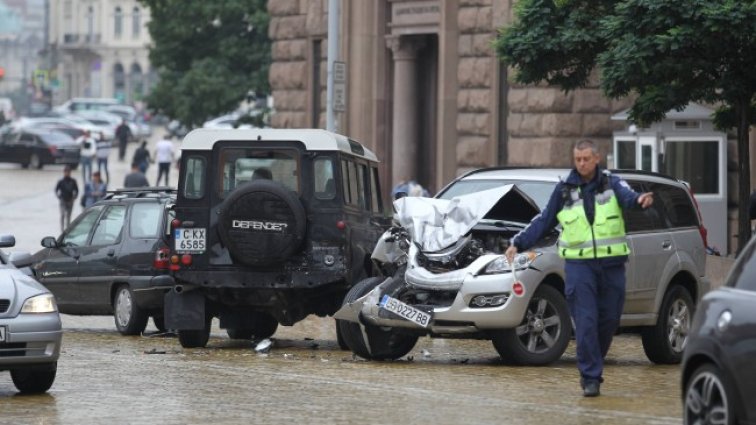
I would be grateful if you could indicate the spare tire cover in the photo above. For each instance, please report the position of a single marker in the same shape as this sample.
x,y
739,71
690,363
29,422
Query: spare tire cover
x,y
261,223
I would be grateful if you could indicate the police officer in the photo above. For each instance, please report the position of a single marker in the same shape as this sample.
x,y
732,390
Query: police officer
x,y
589,205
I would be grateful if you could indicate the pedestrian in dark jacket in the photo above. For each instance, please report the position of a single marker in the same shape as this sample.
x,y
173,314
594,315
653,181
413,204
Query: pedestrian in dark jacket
x,y
142,157
589,205
123,134
94,190
66,190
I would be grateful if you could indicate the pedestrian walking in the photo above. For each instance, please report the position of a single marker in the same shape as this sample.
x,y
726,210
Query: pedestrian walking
x,y
87,151
135,178
103,153
164,157
589,205
66,191
123,134
93,190
142,157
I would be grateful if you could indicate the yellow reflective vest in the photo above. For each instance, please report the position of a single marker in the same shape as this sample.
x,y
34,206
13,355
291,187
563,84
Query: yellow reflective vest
x,y
605,238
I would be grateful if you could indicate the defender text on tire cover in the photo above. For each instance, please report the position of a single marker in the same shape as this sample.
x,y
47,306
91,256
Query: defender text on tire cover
x,y
262,223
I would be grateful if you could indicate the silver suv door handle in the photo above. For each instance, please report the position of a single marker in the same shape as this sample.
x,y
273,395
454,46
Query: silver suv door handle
x,y
667,244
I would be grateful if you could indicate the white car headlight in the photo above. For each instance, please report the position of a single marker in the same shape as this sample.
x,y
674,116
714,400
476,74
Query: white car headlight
x,y
521,261
44,303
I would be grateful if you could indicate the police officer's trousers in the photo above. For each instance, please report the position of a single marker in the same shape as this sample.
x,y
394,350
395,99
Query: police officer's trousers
x,y
595,292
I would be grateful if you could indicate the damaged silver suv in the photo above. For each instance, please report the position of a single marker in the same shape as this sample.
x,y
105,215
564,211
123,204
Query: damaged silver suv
x,y
445,274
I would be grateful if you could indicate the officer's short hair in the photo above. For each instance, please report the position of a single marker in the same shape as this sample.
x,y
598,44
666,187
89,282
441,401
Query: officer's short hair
x,y
586,144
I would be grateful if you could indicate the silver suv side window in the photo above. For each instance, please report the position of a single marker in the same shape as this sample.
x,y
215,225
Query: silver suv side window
x,y
677,205
642,220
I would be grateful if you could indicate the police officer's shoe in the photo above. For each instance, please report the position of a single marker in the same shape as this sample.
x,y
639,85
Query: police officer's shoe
x,y
591,387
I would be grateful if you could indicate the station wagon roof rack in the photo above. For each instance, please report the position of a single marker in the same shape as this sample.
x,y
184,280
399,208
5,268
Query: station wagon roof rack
x,y
139,192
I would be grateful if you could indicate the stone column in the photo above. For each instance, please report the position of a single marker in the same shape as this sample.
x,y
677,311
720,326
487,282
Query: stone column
x,y
406,119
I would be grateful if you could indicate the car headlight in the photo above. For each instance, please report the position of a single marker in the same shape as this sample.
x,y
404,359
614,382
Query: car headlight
x,y
521,261
44,303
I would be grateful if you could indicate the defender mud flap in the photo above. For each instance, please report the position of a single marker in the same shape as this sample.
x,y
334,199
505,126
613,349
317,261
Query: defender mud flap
x,y
184,310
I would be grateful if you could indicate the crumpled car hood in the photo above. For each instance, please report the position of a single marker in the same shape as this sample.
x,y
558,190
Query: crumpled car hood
x,y
435,224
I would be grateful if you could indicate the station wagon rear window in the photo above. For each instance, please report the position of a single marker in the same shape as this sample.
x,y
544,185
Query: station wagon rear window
x,y
240,166
540,192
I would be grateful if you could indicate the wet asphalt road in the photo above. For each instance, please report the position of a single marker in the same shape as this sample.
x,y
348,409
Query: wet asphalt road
x,y
105,378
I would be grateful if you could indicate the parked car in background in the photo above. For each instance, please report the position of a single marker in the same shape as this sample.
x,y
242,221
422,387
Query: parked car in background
x,y
139,126
718,370
226,122
86,104
465,285
106,122
30,327
56,120
35,148
113,259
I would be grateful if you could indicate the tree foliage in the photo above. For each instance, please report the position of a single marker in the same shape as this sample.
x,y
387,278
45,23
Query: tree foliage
x,y
208,54
666,53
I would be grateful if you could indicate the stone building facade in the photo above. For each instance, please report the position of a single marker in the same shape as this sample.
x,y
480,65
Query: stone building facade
x,y
101,49
425,90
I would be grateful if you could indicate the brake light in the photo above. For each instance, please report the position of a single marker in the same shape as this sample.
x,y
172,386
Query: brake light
x,y
161,259
186,259
701,228
175,223
341,225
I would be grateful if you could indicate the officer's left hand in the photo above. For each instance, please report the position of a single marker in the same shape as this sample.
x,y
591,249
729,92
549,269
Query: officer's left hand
x,y
646,199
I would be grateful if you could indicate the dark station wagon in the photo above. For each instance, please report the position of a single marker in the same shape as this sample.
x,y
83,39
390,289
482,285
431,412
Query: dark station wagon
x,y
113,259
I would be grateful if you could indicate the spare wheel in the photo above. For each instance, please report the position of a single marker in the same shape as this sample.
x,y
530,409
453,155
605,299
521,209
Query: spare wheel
x,y
261,223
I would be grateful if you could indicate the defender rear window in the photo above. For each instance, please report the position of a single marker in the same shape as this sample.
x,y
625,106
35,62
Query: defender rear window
x,y
240,166
194,179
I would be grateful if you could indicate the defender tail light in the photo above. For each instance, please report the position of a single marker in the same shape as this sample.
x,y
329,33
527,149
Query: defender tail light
x,y
175,223
341,225
186,259
161,259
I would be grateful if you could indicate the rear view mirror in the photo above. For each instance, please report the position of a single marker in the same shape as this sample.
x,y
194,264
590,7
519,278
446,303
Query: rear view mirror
x,y
7,241
49,242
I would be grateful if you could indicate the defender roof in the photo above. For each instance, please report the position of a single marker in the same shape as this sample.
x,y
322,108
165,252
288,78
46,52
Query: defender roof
x,y
313,139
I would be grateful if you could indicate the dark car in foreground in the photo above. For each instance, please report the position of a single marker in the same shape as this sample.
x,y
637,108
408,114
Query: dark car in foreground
x,y
37,147
113,259
718,370
30,327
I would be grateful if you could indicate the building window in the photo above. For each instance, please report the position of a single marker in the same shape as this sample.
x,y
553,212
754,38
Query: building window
x,y
119,82
696,162
90,24
118,24
136,23
137,83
